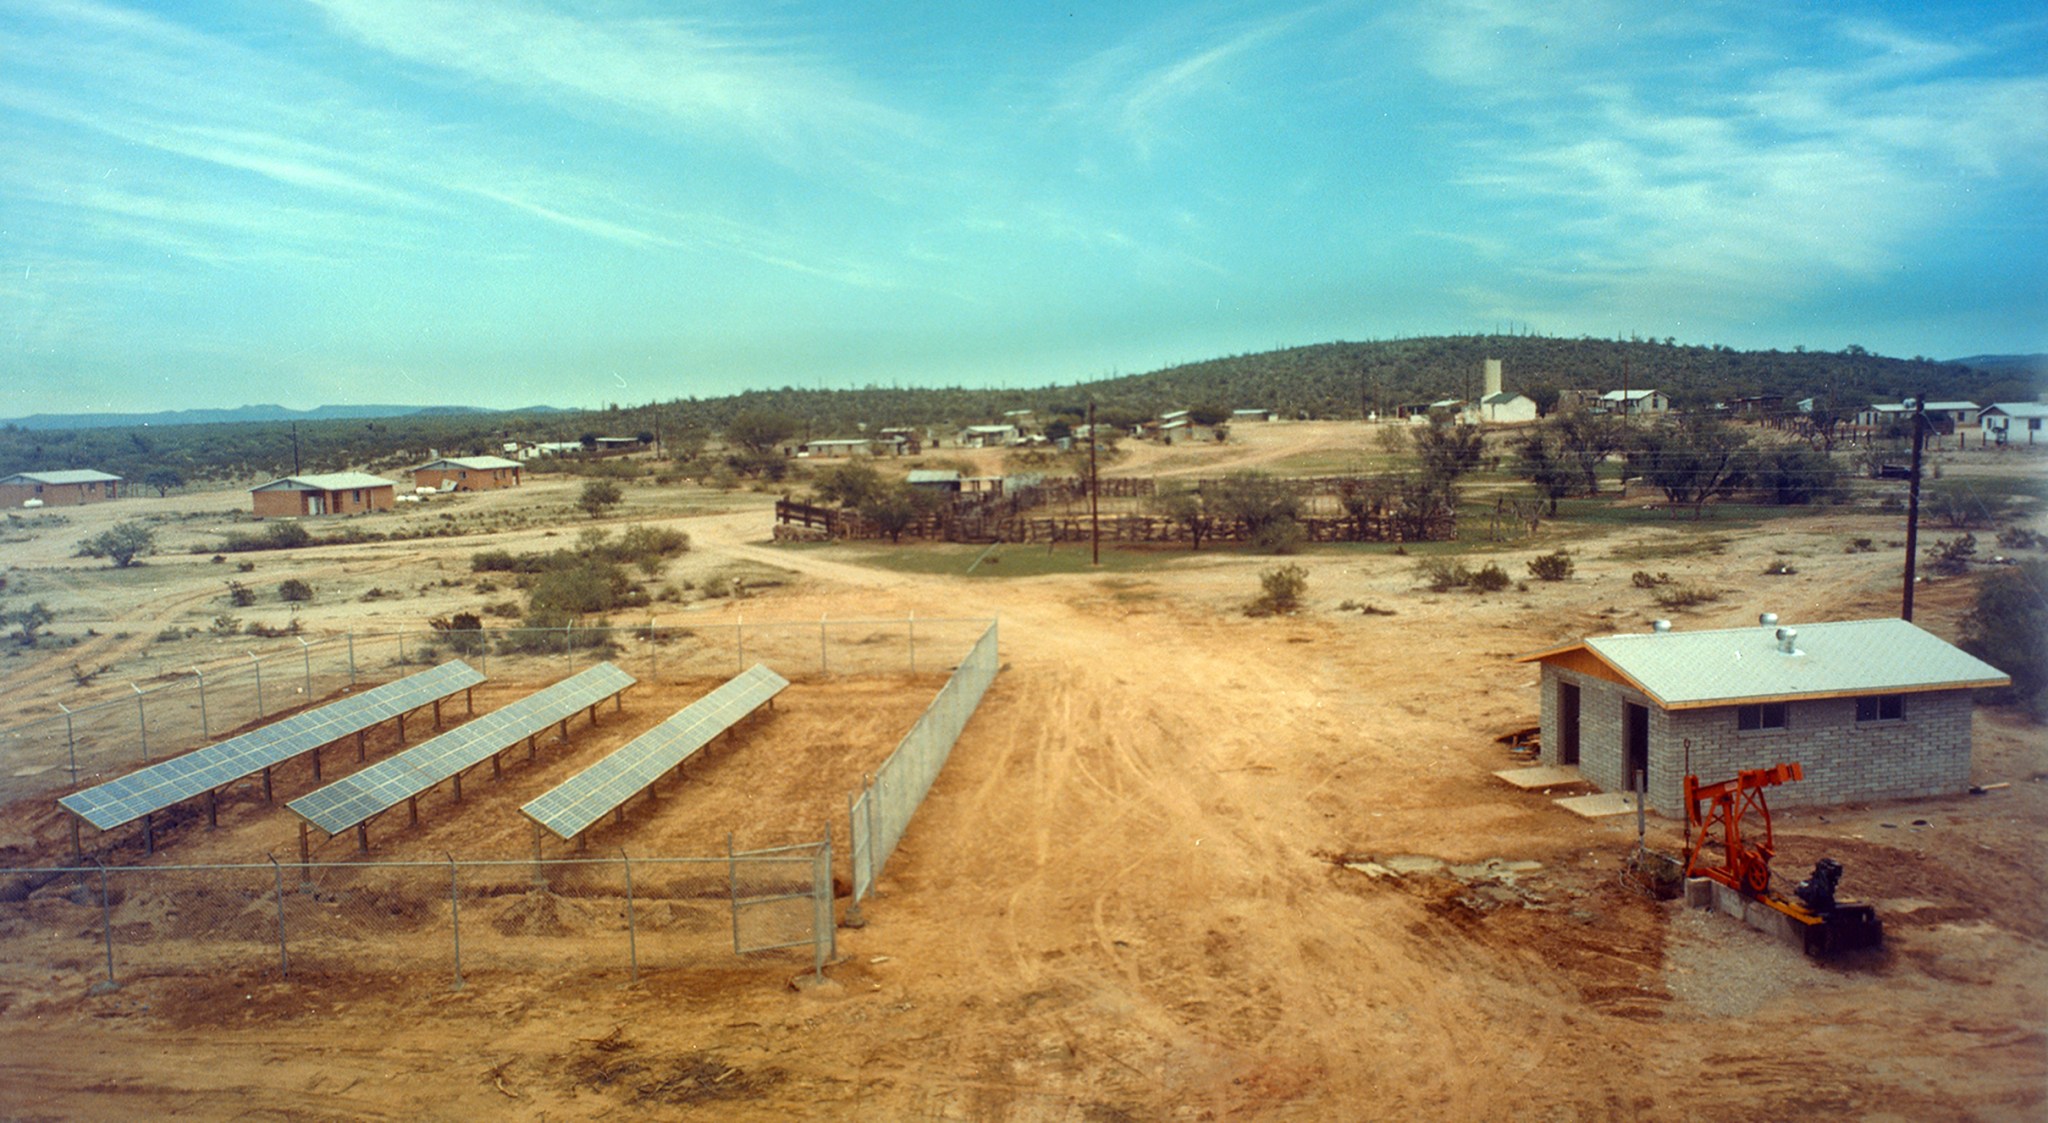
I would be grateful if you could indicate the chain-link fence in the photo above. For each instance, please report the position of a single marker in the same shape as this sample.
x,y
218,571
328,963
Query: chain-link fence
x,y
164,707
880,812
460,920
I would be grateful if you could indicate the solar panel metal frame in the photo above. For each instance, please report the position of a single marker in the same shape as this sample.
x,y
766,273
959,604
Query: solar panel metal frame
x,y
125,799
357,798
572,806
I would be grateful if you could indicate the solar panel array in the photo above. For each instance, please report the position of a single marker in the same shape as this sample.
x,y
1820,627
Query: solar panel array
x,y
355,799
146,790
598,790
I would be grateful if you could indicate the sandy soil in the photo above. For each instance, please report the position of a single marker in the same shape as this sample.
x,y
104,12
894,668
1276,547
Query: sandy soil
x,y
1126,897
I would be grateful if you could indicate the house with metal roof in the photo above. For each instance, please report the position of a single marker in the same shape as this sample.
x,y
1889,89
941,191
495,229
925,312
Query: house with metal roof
x,y
323,493
1631,403
2000,421
1871,709
466,473
66,488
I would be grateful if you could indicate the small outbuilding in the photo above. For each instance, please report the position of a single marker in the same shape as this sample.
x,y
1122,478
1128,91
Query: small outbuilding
x,y
1872,709
326,493
67,488
467,473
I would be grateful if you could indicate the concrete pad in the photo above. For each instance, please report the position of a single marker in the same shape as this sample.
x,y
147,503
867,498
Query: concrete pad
x,y
1599,805
1542,776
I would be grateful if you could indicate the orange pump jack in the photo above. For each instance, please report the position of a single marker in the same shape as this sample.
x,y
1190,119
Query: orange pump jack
x,y
1823,924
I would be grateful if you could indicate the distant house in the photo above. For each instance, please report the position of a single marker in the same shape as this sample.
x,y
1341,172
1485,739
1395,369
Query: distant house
x,y
2000,421
837,447
934,479
1757,405
907,441
988,436
328,493
67,488
534,450
1506,406
466,473
1634,403
1251,415
1943,417
1872,709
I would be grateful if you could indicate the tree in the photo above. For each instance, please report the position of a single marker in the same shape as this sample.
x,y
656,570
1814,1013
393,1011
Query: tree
x,y
1255,499
1792,474
2008,628
1184,505
896,507
1448,449
1691,460
759,431
1208,414
599,496
163,480
849,485
28,622
1541,461
122,544
1587,440
1545,396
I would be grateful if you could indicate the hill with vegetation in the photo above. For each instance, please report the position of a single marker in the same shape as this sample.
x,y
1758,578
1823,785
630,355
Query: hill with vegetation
x,y
1329,380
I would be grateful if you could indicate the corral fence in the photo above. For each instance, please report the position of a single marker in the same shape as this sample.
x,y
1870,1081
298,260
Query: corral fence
x,y
880,812
460,919
186,693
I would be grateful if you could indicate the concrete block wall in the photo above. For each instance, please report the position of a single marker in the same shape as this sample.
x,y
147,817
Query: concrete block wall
x,y
1925,754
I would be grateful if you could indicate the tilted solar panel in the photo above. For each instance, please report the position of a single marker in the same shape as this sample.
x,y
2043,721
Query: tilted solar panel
x,y
355,799
595,792
128,798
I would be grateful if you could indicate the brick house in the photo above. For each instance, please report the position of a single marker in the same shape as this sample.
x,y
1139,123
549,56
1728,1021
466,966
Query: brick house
x,y
329,493
469,473
1873,709
59,489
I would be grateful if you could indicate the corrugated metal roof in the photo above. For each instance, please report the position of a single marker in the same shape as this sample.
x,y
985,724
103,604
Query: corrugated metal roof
x,y
325,481
473,463
933,476
1683,670
2019,409
64,476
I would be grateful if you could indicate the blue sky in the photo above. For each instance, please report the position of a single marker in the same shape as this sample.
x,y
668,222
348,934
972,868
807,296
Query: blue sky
x,y
504,203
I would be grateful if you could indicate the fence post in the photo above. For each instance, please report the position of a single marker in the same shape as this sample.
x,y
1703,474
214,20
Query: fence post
x,y
401,647
141,720
107,927
205,730
70,742
567,657
455,916
351,658
259,682
306,652
653,654
483,649
284,963
824,936
632,930
732,879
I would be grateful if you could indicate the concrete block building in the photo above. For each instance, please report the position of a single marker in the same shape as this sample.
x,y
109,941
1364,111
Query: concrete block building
x,y
468,473
328,493
67,488
1873,709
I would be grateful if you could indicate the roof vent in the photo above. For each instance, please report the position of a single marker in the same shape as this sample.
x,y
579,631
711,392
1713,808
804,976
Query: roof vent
x,y
1785,638
1768,619
1660,626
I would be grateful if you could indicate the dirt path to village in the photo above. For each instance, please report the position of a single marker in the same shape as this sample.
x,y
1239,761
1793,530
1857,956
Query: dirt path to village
x,y
1125,900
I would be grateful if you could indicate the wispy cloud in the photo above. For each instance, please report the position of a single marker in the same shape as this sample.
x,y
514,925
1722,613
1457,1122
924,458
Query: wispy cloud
x,y
701,78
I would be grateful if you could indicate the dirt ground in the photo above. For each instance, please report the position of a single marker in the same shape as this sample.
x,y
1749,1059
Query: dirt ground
x,y
1127,897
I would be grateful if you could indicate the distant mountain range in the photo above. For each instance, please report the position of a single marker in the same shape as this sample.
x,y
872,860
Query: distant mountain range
x,y
249,413
2035,365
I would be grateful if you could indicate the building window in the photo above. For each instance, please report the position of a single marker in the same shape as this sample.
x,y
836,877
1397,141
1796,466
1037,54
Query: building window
x,y
1769,715
1881,707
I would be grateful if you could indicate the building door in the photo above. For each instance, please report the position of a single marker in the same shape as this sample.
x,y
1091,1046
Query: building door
x,y
316,503
1567,723
1635,740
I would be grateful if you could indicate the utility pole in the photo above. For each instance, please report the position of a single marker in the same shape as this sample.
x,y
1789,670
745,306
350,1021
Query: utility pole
x,y
1913,506
1094,495
295,448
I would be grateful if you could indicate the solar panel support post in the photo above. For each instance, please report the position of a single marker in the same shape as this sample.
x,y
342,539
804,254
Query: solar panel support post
x,y
267,796
437,713
497,766
284,962
363,837
106,928
77,843
632,927
412,811
305,848
458,787
361,748
469,699
212,809
401,729
316,764
149,832
455,915
205,729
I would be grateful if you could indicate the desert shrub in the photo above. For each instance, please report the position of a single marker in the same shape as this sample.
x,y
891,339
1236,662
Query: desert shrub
x,y
245,567
1443,574
28,622
1780,567
377,593
2008,628
1950,557
1280,591
1491,578
2020,538
463,632
225,625
1644,579
293,589
171,634
270,631
121,544
1859,546
1551,567
1280,536
1683,596
240,595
